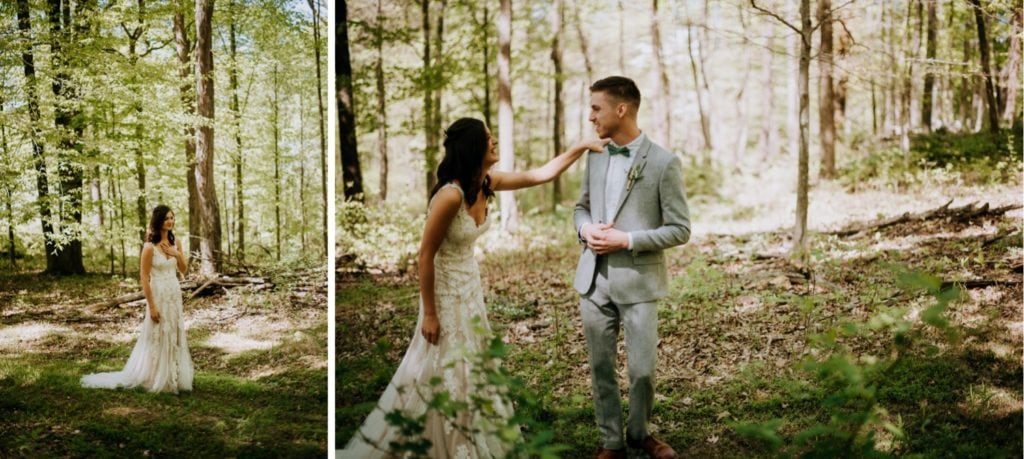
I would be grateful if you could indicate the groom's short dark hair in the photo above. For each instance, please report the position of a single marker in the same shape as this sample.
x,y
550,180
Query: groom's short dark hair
x,y
621,88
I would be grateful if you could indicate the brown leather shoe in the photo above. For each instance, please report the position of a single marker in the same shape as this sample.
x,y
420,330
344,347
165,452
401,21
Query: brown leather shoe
x,y
605,453
655,448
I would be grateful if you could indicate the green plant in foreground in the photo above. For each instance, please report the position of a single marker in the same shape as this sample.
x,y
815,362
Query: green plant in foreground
x,y
856,424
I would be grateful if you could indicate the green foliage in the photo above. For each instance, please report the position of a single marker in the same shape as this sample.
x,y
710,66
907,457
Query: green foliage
x,y
941,157
856,386
381,237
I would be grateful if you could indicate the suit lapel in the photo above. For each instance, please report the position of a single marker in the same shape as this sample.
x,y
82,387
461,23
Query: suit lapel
x,y
597,190
638,162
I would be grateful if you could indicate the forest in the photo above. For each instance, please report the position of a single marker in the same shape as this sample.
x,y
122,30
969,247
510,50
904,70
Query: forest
x,y
217,110
852,285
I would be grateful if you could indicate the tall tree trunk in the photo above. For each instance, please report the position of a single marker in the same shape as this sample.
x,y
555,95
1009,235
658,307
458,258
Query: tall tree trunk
x,y
382,105
38,148
986,68
210,244
665,102
120,236
929,75
64,32
430,150
622,39
236,121
840,77
826,108
509,210
8,188
352,176
558,126
183,47
582,37
800,228
347,142
135,35
793,107
275,129
766,142
705,122
302,170
1012,69
111,215
438,70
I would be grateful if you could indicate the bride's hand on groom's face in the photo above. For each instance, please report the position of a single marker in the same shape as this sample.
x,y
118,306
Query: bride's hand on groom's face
x,y
596,145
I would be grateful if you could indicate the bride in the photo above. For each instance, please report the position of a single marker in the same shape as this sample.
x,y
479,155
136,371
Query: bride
x,y
452,313
160,361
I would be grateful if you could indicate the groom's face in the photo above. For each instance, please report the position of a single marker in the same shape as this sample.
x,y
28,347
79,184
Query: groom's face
x,y
604,113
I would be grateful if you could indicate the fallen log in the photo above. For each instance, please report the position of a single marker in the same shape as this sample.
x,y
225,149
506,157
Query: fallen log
x,y
980,283
962,213
191,290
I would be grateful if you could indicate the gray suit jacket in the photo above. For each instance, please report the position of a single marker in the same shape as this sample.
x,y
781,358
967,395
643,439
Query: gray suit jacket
x,y
654,210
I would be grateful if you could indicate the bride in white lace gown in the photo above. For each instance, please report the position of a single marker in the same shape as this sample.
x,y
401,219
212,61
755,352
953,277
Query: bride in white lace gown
x,y
160,361
452,324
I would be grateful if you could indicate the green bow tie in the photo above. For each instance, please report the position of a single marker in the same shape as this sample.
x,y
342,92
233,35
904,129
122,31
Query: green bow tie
x,y
613,150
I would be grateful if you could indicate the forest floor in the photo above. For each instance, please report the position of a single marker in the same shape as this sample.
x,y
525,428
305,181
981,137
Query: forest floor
x,y
260,387
740,323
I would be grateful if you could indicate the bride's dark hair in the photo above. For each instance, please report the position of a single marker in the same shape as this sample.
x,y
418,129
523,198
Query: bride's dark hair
x,y
465,145
156,222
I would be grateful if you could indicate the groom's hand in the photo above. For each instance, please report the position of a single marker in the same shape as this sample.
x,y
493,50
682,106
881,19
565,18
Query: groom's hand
x,y
607,240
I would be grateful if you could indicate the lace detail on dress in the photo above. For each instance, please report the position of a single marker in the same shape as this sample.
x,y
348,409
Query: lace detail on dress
x,y
465,331
160,360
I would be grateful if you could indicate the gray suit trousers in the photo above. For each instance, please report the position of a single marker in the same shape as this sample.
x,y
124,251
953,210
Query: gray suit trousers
x,y
601,320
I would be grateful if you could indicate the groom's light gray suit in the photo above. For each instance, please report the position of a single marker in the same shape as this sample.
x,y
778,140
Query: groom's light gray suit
x,y
624,286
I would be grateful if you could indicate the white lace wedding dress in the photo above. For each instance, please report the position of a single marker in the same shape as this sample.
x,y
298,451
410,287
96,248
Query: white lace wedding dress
x,y
460,300
160,361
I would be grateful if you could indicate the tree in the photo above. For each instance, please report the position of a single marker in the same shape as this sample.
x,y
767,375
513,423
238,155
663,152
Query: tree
x,y
210,246
236,117
342,29
805,32
664,125
1012,68
382,103
66,29
986,68
826,95
509,211
558,123
929,75
38,148
352,178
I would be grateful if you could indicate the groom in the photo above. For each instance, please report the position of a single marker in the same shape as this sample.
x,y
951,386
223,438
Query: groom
x,y
632,207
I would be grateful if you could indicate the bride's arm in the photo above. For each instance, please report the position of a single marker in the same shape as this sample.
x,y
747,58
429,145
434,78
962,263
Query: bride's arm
x,y
182,261
145,266
446,205
504,181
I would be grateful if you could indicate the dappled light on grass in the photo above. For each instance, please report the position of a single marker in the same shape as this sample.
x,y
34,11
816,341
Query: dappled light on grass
x,y
236,343
23,337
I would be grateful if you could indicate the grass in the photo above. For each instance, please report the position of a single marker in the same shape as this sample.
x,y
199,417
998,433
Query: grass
x,y
257,402
735,331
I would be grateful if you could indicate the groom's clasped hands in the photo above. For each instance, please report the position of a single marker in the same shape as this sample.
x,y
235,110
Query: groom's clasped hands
x,y
604,238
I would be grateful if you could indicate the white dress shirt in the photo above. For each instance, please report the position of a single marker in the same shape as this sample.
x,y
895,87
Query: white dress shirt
x,y
615,181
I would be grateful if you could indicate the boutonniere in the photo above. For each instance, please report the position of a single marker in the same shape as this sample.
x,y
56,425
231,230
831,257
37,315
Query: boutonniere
x,y
634,175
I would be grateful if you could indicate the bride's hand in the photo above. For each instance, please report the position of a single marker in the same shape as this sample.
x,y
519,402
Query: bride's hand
x,y
155,315
169,249
596,145
431,329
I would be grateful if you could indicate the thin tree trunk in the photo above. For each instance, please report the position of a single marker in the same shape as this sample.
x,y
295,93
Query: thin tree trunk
x,y
134,36
111,216
622,39
582,37
382,105
929,75
793,112
347,140
275,115
826,95
986,68
185,90
210,244
487,64
665,102
8,189
236,119
38,148
438,70
352,177
558,126
430,151
509,210
302,170
800,228
705,122
767,141
1012,69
